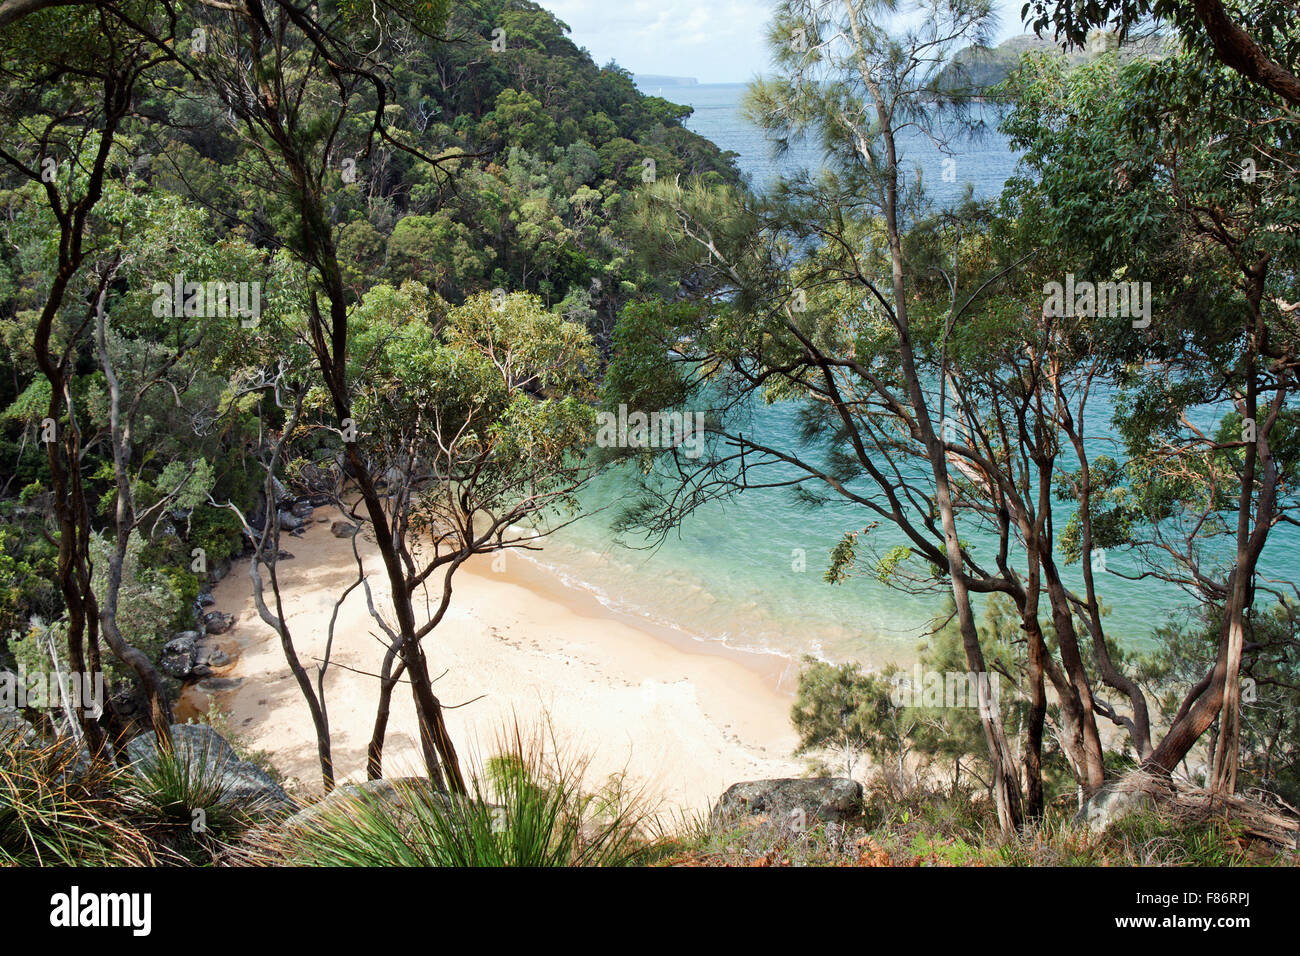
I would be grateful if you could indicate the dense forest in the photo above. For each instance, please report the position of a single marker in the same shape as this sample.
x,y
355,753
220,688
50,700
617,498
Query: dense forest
x,y
510,169
400,259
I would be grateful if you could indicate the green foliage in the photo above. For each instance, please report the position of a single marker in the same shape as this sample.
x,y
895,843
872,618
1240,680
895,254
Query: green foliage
x,y
518,813
183,794
840,708
54,811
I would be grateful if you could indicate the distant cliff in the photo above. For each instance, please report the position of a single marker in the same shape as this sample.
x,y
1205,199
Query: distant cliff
x,y
648,80
986,67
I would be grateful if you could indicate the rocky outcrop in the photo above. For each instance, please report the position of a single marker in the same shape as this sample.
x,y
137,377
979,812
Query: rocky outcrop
x,y
289,521
826,798
244,786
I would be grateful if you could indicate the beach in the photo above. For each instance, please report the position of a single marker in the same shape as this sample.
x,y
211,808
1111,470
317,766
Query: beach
x,y
679,718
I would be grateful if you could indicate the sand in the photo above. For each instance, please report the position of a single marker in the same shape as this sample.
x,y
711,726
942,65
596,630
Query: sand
x,y
680,718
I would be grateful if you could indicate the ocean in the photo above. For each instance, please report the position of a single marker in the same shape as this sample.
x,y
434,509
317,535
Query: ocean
x,y
749,572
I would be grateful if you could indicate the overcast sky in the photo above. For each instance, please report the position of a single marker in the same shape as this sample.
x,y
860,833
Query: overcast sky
x,y
715,41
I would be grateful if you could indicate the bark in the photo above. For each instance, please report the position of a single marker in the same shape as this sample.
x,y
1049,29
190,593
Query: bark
x,y
1235,47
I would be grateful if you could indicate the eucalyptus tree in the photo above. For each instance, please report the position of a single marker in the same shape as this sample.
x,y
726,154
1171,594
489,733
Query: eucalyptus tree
x,y
1256,38
479,416
1178,176
816,298
305,89
71,78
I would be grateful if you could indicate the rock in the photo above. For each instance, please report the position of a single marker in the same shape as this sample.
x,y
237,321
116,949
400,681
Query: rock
x,y
302,509
289,521
828,798
395,795
220,570
206,599
177,657
343,529
215,685
1118,798
190,656
322,519
243,785
210,653
215,622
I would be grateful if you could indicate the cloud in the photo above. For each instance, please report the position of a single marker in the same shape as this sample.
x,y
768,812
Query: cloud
x,y
715,41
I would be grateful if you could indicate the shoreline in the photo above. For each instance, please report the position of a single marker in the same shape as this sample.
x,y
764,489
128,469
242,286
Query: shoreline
x,y
675,715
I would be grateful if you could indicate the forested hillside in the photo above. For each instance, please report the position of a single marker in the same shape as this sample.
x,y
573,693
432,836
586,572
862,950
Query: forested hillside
x,y
518,162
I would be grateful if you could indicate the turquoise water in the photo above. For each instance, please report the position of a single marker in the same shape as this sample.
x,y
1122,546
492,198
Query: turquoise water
x,y
731,573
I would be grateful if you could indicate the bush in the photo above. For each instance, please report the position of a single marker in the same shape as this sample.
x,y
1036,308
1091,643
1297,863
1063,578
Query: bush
x,y
56,809
518,813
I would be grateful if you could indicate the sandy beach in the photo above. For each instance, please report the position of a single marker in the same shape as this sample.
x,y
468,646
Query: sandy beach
x,y
681,718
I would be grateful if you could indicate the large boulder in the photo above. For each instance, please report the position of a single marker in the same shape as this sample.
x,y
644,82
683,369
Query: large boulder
x,y
394,796
827,798
215,622
1120,797
191,656
244,786
289,521
177,658
343,529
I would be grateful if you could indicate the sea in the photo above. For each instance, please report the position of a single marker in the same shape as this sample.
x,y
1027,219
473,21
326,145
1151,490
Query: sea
x,y
749,572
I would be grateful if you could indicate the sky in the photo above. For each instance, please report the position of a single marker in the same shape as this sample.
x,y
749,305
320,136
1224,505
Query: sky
x,y
715,41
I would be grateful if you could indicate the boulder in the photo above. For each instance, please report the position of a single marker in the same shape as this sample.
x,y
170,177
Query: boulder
x,y
215,685
1120,797
394,795
210,653
205,599
190,656
302,509
177,657
827,798
215,622
343,529
244,786
289,521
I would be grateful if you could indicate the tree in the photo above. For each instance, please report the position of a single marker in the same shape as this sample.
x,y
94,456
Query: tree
x,y
478,418
838,707
846,80
1220,247
1251,38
